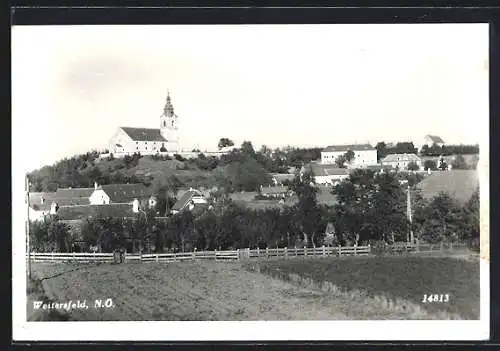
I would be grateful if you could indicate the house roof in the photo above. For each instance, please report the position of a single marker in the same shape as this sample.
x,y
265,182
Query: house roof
x,y
35,200
401,157
435,139
185,198
459,184
274,190
280,177
326,170
143,134
126,192
68,213
71,193
345,148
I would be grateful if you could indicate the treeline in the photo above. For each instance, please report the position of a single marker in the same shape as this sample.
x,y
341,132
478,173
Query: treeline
x,y
81,171
246,168
371,209
447,150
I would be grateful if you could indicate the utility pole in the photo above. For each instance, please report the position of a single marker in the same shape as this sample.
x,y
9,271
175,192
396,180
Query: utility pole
x,y
408,211
27,185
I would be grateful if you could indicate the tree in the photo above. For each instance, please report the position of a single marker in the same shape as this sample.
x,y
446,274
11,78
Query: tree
x,y
430,164
459,163
58,235
413,166
442,164
349,155
340,161
308,213
224,142
247,149
442,219
381,150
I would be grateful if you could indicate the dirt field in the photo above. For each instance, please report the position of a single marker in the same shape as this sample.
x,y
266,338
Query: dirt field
x,y
207,291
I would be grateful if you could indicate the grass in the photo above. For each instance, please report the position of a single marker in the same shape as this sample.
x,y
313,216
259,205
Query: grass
x,y
340,289
35,292
403,279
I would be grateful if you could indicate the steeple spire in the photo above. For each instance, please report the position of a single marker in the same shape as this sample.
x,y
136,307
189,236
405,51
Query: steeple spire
x,y
168,110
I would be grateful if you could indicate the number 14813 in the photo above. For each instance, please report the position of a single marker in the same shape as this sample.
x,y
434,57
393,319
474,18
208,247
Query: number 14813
x,y
436,298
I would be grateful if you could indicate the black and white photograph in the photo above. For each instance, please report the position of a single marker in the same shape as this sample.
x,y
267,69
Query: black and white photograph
x,y
273,182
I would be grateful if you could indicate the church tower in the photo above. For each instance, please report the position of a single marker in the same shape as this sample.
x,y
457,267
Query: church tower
x,y
168,126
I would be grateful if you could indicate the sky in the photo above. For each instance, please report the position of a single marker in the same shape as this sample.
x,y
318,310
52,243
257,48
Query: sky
x,y
300,85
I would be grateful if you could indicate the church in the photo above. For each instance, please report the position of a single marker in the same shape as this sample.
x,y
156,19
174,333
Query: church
x,y
148,141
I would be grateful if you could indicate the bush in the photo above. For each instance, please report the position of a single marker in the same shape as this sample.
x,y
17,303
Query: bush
x,y
430,164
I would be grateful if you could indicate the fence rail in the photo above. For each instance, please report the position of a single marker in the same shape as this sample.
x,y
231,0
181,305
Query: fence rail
x,y
232,255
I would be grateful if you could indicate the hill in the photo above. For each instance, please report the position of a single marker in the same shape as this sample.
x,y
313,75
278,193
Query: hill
x,y
459,184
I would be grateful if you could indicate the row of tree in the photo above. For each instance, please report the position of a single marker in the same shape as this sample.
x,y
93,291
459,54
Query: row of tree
x,y
371,208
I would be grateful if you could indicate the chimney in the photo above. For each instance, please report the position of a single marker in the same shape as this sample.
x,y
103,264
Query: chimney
x,y
95,185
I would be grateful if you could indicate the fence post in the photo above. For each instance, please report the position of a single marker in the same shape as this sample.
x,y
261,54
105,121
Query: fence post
x,y
305,251
258,252
369,249
248,252
157,258
74,255
140,256
340,250
194,254
267,253
175,256
324,252
355,250
286,252
215,254
238,253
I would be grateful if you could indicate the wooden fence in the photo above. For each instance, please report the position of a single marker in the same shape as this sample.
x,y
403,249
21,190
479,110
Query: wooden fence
x,y
241,254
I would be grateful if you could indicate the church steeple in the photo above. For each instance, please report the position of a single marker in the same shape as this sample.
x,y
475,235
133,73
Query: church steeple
x,y
168,110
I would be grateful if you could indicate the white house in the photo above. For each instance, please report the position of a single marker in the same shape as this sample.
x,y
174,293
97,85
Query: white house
x,y
190,200
99,196
326,174
401,161
430,140
364,154
148,141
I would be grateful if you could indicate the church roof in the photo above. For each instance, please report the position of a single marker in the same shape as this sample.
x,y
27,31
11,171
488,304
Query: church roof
x,y
143,134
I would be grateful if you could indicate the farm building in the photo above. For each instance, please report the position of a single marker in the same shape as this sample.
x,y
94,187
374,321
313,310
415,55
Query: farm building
x,y
326,174
279,178
275,192
190,200
459,184
401,161
364,154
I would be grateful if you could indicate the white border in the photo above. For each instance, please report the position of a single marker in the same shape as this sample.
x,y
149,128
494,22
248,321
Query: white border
x,y
233,331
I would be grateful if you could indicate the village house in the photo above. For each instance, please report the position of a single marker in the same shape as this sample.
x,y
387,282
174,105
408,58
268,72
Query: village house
x,y
401,161
190,200
326,174
429,140
364,154
279,178
275,192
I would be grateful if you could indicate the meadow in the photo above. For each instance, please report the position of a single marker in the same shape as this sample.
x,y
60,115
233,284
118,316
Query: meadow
x,y
400,280
359,288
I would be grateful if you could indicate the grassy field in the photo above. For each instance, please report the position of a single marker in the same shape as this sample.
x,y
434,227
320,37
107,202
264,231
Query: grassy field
x,y
234,291
400,280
